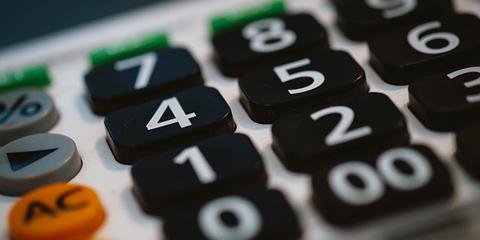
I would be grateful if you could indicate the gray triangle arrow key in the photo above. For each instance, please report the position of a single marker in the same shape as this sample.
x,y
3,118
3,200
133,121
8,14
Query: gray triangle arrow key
x,y
37,160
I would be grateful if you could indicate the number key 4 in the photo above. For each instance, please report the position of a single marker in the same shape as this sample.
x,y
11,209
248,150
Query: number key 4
x,y
406,54
141,78
307,140
167,123
297,84
263,42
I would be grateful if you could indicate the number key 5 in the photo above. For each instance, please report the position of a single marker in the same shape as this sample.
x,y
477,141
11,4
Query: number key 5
x,y
262,42
301,83
141,78
307,140
406,54
167,123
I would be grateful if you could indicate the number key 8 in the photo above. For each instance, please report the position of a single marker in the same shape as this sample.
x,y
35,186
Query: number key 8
x,y
262,42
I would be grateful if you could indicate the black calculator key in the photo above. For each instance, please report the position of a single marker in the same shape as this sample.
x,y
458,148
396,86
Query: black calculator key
x,y
448,100
468,152
296,84
405,54
399,179
141,78
306,140
167,123
263,42
359,20
253,215
163,182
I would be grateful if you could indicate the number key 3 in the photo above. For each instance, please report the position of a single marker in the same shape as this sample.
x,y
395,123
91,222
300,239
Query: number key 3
x,y
297,84
447,100
262,42
406,54
398,179
305,141
167,123
141,78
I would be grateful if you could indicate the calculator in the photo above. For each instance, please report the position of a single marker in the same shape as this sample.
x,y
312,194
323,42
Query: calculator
x,y
242,119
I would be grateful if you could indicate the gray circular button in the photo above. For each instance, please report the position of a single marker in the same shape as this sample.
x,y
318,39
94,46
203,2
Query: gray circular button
x,y
37,160
25,112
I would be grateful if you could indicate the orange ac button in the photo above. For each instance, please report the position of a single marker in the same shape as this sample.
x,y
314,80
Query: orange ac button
x,y
59,211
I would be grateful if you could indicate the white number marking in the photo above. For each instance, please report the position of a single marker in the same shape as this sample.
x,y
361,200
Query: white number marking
x,y
421,43
181,117
263,33
146,63
469,84
199,164
282,72
393,8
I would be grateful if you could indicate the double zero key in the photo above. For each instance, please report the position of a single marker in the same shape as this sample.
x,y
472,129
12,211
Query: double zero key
x,y
167,123
307,140
300,83
365,188
263,42
141,78
198,171
409,53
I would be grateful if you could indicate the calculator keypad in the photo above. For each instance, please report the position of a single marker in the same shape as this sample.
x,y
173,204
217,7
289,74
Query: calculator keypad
x,y
264,42
167,123
306,140
319,77
421,50
364,188
163,182
141,78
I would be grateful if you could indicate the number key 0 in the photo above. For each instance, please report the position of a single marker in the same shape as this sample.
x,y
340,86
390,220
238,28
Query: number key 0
x,y
141,78
307,140
406,54
167,123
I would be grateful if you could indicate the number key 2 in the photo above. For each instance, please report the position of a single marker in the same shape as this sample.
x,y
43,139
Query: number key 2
x,y
262,42
197,172
141,78
448,100
305,141
406,54
398,179
361,19
167,123
297,84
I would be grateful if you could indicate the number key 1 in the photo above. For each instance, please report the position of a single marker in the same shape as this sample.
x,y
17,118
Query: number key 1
x,y
307,140
197,171
406,54
141,78
167,123
301,83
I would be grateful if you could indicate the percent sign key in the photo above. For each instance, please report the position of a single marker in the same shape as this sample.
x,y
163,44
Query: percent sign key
x,y
25,112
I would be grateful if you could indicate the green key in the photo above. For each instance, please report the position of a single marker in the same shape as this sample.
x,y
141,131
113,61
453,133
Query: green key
x,y
244,16
128,48
34,76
